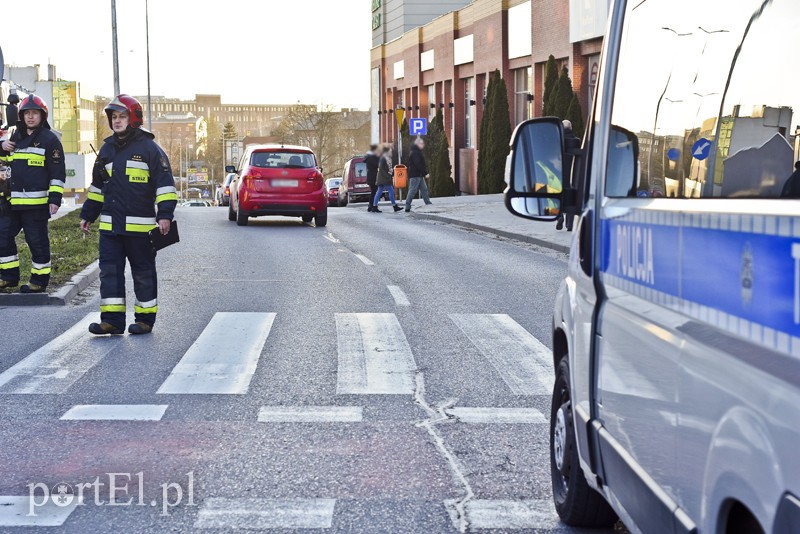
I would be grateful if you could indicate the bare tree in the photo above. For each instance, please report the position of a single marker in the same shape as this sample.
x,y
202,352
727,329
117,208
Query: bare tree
x,y
316,127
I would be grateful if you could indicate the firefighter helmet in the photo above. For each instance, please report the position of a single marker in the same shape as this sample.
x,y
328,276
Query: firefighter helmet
x,y
34,102
129,104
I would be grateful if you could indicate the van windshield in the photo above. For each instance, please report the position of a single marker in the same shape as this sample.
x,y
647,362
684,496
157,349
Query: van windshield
x,y
288,160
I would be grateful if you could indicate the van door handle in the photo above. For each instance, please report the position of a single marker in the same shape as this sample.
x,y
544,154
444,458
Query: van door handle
x,y
585,242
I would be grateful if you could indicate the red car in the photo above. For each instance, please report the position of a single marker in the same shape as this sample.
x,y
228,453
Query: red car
x,y
332,187
278,180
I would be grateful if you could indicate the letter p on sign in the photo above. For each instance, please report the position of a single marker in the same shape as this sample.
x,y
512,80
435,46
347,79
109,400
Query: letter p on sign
x,y
418,126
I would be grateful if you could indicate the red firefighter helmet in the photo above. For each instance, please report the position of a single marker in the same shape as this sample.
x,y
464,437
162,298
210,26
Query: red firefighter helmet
x,y
129,104
34,102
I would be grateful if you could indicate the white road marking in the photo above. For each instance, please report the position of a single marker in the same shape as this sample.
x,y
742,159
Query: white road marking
x,y
365,260
400,298
498,514
374,356
310,414
54,367
255,514
115,412
521,360
224,357
330,238
14,511
497,415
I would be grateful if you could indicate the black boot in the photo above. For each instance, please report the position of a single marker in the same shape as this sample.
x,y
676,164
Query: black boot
x,y
397,208
32,288
376,210
140,328
100,329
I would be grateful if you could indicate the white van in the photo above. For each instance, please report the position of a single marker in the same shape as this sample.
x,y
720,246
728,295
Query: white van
x,y
676,332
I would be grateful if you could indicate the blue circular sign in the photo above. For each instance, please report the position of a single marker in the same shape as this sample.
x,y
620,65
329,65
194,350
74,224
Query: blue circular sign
x,y
673,154
701,149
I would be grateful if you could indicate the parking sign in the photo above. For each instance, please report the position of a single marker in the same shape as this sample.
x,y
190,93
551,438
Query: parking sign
x,y
418,126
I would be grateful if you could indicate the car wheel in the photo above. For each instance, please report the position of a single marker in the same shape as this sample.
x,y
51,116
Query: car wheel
x,y
231,213
321,220
241,217
576,502
307,218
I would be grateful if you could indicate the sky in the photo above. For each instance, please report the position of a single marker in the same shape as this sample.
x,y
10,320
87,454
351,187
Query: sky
x,y
250,52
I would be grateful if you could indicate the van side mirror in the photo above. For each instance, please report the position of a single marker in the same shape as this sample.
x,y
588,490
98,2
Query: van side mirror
x,y
535,170
230,168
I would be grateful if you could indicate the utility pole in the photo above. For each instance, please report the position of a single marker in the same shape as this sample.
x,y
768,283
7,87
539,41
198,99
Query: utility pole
x,y
147,38
114,45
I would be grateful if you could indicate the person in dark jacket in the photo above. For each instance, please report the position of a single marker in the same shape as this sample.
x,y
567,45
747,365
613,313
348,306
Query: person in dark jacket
x,y
372,160
417,170
571,144
384,181
36,185
131,175
791,189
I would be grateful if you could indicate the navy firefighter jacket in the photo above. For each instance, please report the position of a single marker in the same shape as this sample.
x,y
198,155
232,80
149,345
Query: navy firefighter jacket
x,y
130,177
38,171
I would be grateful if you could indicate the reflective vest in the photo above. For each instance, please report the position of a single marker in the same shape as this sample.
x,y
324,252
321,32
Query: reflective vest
x,y
37,166
128,180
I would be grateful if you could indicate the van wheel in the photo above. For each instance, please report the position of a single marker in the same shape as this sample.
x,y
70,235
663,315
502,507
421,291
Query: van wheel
x,y
321,220
577,504
241,217
231,213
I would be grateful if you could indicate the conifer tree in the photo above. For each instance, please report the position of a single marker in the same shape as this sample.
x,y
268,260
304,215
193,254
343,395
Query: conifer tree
x,y
496,134
437,158
550,85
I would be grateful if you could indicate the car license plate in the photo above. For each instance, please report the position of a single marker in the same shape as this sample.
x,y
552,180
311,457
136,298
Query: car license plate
x,y
362,186
284,183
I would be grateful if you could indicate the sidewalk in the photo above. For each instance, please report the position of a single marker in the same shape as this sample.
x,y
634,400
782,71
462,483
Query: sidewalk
x,y
488,213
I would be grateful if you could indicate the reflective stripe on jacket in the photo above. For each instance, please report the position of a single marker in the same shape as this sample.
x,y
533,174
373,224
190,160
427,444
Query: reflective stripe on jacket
x,y
38,172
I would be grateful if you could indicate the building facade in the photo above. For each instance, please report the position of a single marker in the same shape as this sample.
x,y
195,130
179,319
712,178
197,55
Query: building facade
x,y
446,64
248,119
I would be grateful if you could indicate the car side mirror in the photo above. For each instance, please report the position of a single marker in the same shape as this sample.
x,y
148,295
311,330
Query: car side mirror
x,y
230,168
535,170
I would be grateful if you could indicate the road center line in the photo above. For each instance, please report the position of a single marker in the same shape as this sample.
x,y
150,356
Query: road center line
x,y
115,412
497,415
400,298
374,355
54,367
224,357
310,414
365,260
521,360
14,511
256,514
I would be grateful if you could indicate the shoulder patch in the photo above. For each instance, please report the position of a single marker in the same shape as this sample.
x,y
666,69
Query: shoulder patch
x,y
164,163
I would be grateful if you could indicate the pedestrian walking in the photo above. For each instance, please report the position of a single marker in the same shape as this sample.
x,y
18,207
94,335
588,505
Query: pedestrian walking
x,y
131,175
417,171
372,161
571,145
36,158
384,180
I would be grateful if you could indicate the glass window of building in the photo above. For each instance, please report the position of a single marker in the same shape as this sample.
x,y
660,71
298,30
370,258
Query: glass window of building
x,y
469,113
523,86
431,101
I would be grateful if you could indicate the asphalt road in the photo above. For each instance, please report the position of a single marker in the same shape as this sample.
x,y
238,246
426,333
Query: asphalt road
x,y
382,374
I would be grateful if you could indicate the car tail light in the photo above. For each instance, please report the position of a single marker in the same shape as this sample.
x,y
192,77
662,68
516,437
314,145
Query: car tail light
x,y
247,182
227,190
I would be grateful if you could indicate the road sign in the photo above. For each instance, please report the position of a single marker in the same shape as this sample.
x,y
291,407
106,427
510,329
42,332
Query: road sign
x,y
418,126
701,149
674,154
399,113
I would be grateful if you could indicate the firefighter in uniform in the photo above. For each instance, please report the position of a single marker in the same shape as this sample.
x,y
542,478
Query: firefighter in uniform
x,y
36,159
131,175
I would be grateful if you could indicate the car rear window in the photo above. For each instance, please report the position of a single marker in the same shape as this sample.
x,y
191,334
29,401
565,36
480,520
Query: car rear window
x,y
289,160
361,169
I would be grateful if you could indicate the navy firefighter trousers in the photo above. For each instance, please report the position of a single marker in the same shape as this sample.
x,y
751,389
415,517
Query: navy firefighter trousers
x,y
138,251
34,222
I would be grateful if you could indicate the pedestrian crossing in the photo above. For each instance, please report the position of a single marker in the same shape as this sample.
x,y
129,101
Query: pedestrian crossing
x,y
373,357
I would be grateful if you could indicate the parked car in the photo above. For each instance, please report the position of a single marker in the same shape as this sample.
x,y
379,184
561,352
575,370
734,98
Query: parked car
x,y
676,332
224,191
278,180
195,204
332,189
354,182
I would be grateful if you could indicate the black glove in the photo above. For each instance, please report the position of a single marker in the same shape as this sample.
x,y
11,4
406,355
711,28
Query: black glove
x,y
99,172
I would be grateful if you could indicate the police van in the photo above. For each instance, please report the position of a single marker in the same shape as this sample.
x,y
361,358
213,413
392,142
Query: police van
x,y
676,333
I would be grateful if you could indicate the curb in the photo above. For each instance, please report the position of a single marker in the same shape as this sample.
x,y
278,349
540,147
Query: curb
x,y
62,297
500,233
